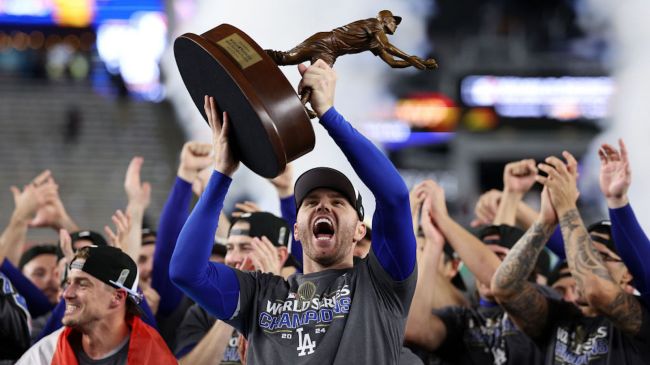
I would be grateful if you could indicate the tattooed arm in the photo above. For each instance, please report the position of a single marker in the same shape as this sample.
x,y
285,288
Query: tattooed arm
x,y
526,306
593,277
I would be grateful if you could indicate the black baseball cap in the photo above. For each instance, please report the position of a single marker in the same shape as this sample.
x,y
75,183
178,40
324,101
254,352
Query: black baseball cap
x,y
34,251
111,266
603,227
266,224
508,235
96,238
558,273
146,231
328,178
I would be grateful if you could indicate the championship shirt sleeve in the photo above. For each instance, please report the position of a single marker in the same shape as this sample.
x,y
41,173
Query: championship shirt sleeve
x,y
37,302
633,246
14,327
288,210
172,218
195,325
212,285
393,241
454,319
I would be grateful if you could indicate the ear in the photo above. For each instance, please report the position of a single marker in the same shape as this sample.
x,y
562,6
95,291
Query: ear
x,y
118,298
454,267
295,232
360,231
283,254
627,277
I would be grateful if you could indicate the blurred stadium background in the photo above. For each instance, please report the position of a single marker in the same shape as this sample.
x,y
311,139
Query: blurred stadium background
x,y
87,84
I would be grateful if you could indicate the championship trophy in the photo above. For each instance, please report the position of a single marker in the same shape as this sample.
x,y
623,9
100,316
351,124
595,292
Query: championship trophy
x,y
270,123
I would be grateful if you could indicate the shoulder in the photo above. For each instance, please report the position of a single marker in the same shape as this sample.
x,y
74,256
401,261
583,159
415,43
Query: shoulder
x,y
43,350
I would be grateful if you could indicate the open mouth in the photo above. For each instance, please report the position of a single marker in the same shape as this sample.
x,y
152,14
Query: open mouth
x,y
323,229
70,308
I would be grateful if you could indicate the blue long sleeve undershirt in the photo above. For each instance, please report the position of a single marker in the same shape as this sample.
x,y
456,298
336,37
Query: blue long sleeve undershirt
x,y
215,286
172,219
556,244
37,303
633,246
288,211
393,241
212,285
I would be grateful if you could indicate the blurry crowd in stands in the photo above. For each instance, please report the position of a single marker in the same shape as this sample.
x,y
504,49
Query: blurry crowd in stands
x,y
548,287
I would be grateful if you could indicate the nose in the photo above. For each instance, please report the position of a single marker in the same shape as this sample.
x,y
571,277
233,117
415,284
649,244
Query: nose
x,y
322,206
571,295
69,292
233,258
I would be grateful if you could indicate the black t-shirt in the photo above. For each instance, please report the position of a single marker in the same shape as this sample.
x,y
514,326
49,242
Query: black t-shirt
x,y
194,327
345,316
484,335
572,338
14,322
168,325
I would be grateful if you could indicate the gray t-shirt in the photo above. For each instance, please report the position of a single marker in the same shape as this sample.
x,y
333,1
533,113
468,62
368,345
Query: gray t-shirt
x,y
115,357
196,324
344,316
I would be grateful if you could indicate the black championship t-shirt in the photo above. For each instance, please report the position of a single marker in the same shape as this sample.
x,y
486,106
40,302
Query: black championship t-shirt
x,y
484,335
572,338
196,324
346,316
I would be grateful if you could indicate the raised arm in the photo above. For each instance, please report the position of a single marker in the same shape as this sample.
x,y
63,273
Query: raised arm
x,y
213,286
593,278
284,186
433,290
526,306
139,196
518,178
480,260
195,156
393,241
631,241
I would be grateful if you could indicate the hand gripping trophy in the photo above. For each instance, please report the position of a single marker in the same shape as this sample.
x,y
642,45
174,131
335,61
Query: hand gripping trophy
x,y
270,123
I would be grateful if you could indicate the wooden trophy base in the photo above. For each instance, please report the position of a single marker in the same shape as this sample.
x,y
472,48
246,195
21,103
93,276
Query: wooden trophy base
x,y
270,127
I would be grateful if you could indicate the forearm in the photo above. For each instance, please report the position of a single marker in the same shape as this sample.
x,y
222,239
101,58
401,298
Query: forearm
x,y
526,215
527,307
393,241
134,237
172,219
633,246
432,291
593,278
13,239
508,206
516,268
67,223
212,347
478,258
214,286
